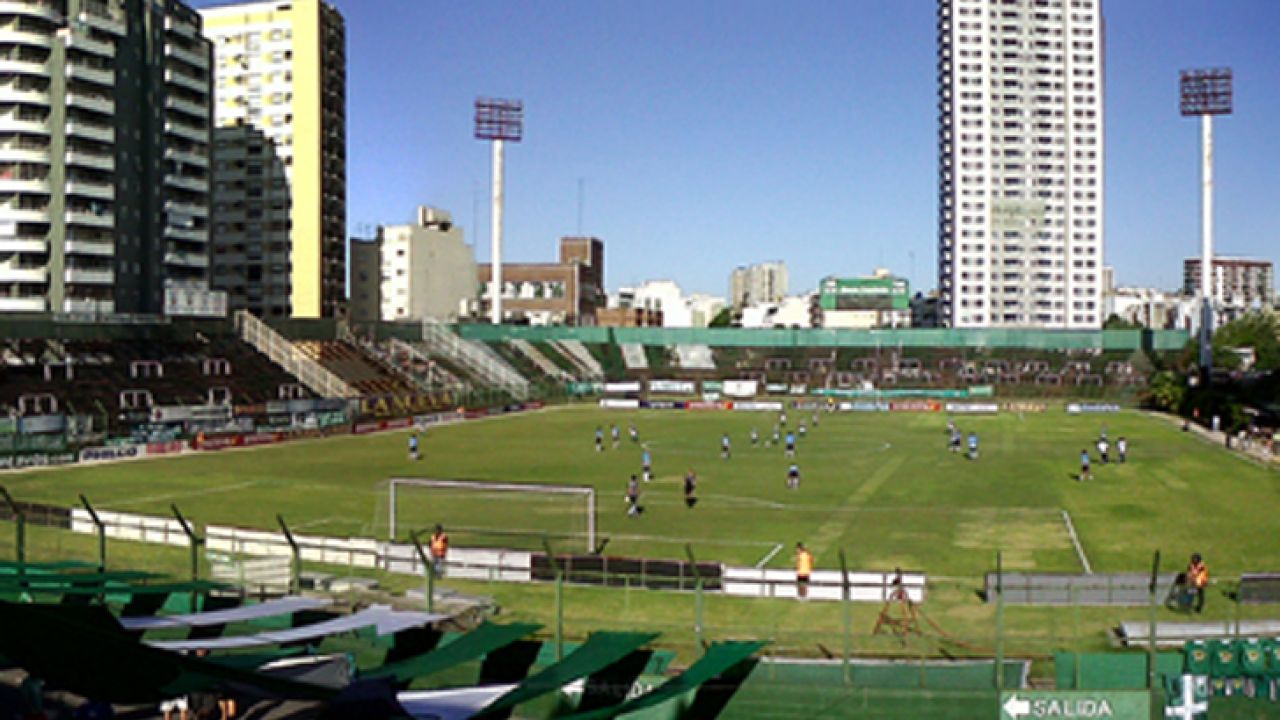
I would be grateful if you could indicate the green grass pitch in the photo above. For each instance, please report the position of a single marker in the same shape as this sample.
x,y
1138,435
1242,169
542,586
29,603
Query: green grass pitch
x,y
882,487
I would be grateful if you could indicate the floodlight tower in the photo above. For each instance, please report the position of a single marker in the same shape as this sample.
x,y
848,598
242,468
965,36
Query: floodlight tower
x,y
1206,93
498,121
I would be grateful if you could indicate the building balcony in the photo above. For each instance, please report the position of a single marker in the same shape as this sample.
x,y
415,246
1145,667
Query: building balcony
x,y
98,103
104,219
29,303
99,76
18,65
106,22
30,8
25,185
11,93
200,110
15,213
190,57
184,29
97,161
15,123
187,157
12,274
97,248
189,132
19,153
97,307
80,41
23,245
177,210
92,131
97,189
10,35
90,276
186,81
189,234
200,185
187,259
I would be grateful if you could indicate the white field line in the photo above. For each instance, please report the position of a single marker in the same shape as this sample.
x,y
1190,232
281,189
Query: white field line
x,y
1075,540
186,493
765,560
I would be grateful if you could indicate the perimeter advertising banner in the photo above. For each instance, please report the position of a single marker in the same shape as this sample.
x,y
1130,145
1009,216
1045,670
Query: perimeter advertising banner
x,y
1080,408
741,388
673,387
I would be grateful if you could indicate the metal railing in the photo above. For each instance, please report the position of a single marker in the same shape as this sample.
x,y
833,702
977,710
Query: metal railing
x,y
474,356
311,373
436,377
542,362
586,362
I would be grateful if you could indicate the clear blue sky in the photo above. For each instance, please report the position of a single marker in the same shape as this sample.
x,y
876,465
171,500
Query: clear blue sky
x,y
714,133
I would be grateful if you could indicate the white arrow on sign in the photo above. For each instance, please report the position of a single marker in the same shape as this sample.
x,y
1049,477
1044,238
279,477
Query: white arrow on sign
x,y
1016,708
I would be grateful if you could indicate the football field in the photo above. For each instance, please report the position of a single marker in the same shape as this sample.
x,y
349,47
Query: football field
x,y
881,487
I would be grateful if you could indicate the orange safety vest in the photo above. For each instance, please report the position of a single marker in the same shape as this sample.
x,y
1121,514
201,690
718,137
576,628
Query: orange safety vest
x,y
1199,575
439,545
804,562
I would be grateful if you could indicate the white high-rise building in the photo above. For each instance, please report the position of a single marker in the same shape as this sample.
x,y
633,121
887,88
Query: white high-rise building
x,y
759,283
1020,177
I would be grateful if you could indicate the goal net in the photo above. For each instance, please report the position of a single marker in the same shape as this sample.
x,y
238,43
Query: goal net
x,y
482,513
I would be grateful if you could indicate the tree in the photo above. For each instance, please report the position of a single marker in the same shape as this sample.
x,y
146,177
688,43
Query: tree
x,y
1115,322
1166,392
1259,330
724,318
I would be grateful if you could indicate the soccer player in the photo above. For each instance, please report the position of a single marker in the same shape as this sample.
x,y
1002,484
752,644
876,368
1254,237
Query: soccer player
x,y
724,446
599,438
782,418
439,547
413,446
616,434
1103,446
776,439
690,489
1085,474
1122,449
804,568
973,446
646,465
755,437
633,497
955,438
802,430
815,418
635,434
793,477
791,445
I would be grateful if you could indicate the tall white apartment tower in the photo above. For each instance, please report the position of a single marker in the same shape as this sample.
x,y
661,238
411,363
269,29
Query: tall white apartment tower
x,y
1020,176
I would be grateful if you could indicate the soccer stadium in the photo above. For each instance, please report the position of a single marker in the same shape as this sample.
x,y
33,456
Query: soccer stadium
x,y
267,501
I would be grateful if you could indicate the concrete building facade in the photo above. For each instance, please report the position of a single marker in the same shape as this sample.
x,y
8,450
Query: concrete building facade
x,y
426,269
759,283
1239,284
104,156
565,293
280,179
1020,173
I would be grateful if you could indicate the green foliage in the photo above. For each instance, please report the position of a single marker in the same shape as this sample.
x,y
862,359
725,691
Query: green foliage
x,y
1166,391
724,318
1259,330
1115,322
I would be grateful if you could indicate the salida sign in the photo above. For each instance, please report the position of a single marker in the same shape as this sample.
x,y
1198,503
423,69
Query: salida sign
x,y
1075,705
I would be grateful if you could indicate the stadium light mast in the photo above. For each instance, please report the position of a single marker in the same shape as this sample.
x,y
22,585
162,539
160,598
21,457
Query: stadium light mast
x,y
499,121
1206,93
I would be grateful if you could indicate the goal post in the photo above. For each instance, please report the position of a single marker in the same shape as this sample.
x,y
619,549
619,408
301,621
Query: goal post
x,y
470,503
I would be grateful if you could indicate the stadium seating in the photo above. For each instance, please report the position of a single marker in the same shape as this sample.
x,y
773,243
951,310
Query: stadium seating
x,y
358,369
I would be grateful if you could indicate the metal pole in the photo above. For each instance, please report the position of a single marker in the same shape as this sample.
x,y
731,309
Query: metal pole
x,y
591,521
846,612
1206,242
195,553
20,520
555,566
495,285
429,571
999,620
698,627
391,535
1151,623
295,567
102,533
